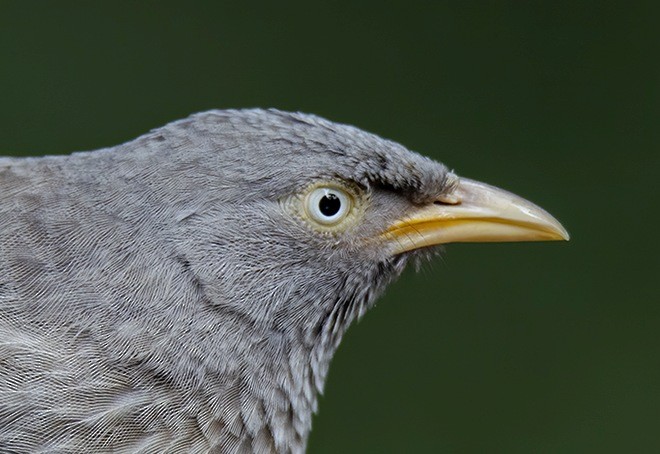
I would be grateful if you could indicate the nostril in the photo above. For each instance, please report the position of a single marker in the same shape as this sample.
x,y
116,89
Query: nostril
x,y
448,199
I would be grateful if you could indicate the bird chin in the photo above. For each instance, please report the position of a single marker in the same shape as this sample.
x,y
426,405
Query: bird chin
x,y
418,258
423,256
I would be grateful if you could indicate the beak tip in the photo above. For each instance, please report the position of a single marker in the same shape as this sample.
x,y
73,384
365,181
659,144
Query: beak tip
x,y
559,231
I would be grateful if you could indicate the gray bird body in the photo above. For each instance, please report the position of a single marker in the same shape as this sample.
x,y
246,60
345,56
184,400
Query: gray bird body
x,y
158,297
171,295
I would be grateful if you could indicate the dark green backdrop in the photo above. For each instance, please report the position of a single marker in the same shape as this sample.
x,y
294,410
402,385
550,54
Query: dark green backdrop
x,y
518,348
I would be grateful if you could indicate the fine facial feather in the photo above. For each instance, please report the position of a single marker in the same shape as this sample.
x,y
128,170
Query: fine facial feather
x,y
158,296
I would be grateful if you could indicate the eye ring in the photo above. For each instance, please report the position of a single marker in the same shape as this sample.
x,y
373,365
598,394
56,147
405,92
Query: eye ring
x,y
328,205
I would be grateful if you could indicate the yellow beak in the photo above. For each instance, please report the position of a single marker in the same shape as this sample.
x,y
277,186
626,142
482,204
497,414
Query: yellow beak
x,y
474,212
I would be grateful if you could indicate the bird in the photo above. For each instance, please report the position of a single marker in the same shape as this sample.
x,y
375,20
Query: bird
x,y
185,292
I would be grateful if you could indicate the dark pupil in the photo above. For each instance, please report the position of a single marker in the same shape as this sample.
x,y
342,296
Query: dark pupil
x,y
329,205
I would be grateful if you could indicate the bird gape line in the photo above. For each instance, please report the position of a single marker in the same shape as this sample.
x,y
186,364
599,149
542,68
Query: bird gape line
x,y
185,291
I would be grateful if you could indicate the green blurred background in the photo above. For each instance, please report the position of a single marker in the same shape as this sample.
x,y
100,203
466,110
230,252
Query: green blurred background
x,y
512,348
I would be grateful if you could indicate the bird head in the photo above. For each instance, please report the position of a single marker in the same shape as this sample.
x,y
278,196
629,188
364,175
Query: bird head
x,y
296,223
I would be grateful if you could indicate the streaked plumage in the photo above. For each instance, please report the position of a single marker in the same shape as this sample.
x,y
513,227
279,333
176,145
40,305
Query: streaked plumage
x,y
170,295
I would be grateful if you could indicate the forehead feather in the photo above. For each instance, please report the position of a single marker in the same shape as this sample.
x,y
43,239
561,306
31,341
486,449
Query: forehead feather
x,y
321,147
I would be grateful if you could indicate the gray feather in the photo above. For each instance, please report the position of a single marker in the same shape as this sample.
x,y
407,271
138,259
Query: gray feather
x,y
157,297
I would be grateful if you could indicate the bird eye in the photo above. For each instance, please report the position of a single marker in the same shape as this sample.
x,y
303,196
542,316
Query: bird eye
x,y
327,205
